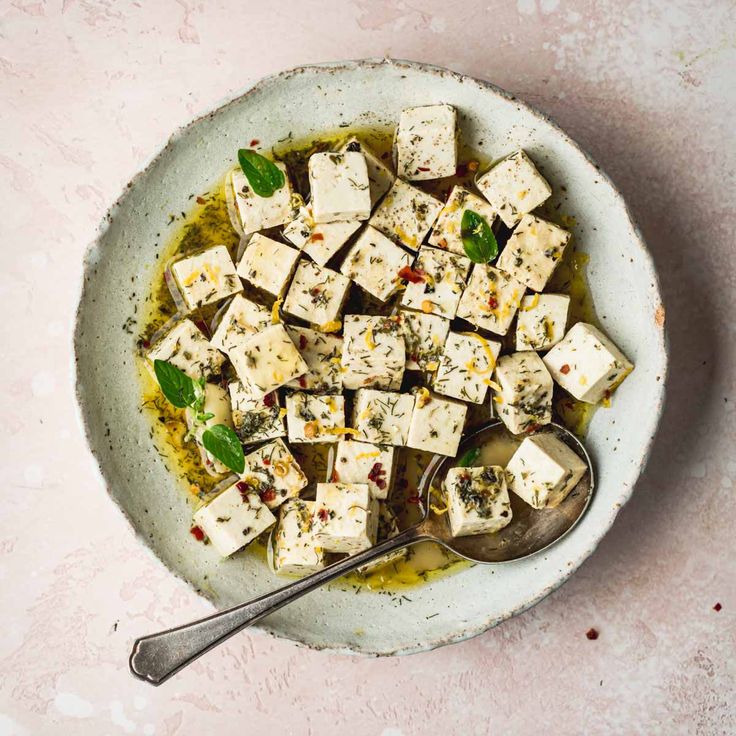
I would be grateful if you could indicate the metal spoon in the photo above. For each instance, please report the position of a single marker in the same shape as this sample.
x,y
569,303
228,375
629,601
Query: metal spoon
x,y
157,657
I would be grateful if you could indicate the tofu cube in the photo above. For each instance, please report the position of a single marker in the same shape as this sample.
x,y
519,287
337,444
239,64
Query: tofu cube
x,y
382,417
373,353
426,142
339,186
466,366
185,347
544,470
447,231
273,474
380,177
514,187
587,364
525,398
233,519
345,517
533,251
542,321
436,424
242,317
406,214
217,403
255,419
295,550
312,418
424,337
207,277
443,280
322,354
477,500
388,528
374,262
268,264
491,299
260,213
362,462
316,294
320,241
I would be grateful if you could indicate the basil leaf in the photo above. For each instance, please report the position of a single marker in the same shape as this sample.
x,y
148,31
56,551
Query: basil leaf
x,y
469,458
479,242
263,175
222,443
176,385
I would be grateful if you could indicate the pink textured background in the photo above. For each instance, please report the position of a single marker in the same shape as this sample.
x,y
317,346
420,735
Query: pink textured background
x,y
89,90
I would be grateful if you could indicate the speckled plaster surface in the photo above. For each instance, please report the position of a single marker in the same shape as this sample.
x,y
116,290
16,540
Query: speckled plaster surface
x,y
89,92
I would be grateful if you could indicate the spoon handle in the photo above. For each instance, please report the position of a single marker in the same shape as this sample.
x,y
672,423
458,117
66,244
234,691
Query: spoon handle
x,y
157,657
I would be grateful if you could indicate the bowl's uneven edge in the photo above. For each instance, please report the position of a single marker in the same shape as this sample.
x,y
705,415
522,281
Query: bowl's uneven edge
x,y
92,253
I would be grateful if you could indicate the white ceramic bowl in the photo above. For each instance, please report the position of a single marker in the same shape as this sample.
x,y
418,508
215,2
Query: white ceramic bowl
x,y
310,100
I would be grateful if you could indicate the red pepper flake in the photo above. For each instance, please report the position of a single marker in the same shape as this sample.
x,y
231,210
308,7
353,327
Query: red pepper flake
x,y
409,274
317,236
422,168
377,475
266,461
416,500
315,291
532,428
244,489
197,533
565,369
335,477
492,302
254,142
201,200
302,342
202,325
268,495
146,344
461,170
302,382
592,634
717,607
269,400
323,515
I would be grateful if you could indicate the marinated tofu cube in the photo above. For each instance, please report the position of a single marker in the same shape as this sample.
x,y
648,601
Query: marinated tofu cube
x,y
447,231
242,318
491,299
312,418
467,366
295,550
260,213
316,294
216,403
380,177
514,187
443,280
542,321
233,519
267,360
373,353
436,424
382,417
524,400
426,142
587,364
544,470
374,263
533,251
424,337
268,264
477,500
255,419
322,353
320,241
362,462
388,528
273,474
345,517
207,277
406,214
339,185
185,347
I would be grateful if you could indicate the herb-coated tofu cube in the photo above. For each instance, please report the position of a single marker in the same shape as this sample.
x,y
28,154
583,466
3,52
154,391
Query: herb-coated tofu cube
x,y
312,418
206,277
242,317
542,321
525,398
477,500
374,262
382,417
533,251
316,294
587,364
406,214
322,354
466,366
447,231
544,470
388,528
514,187
436,424
268,264
233,519
443,280
373,353
255,419
295,550
338,183
424,337
320,241
259,213
272,472
426,142
185,347
490,299
345,517
380,177
217,403
362,462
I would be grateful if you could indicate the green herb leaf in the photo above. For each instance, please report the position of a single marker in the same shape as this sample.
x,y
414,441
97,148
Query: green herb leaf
x,y
479,242
176,385
470,457
263,175
222,443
